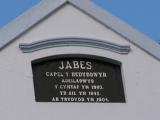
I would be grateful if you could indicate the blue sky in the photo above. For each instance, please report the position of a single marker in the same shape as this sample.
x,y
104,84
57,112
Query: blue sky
x,y
143,15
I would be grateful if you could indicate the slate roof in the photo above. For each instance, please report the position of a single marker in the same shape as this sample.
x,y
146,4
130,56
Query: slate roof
x,y
38,13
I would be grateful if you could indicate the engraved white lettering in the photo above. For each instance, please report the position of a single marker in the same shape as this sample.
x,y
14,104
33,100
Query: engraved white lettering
x,y
75,65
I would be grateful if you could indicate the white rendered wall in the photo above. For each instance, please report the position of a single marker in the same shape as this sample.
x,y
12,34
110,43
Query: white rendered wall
x,y
141,75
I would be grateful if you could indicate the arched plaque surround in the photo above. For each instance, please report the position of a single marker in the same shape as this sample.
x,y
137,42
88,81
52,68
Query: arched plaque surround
x,y
78,78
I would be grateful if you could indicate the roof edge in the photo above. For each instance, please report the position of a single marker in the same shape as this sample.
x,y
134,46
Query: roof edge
x,y
27,20
118,26
37,13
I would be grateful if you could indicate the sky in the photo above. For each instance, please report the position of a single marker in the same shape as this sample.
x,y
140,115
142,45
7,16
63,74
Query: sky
x,y
144,15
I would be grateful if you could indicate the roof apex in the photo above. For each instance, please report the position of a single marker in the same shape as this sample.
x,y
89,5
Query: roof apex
x,y
43,9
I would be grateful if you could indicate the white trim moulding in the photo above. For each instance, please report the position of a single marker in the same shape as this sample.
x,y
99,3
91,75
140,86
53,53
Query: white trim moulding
x,y
83,42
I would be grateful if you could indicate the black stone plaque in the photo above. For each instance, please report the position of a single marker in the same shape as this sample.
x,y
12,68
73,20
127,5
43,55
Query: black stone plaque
x,y
78,78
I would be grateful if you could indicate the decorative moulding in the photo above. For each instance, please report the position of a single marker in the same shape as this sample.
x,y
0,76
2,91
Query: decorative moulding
x,y
84,42
45,8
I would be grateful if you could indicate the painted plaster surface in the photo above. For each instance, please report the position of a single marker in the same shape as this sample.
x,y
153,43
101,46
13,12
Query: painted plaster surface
x,y
140,74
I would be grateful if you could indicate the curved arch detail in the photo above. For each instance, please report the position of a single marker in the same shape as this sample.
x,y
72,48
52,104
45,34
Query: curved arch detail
x,y
83,42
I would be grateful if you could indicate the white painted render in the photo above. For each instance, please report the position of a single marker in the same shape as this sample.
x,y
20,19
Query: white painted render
x,y
140,72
